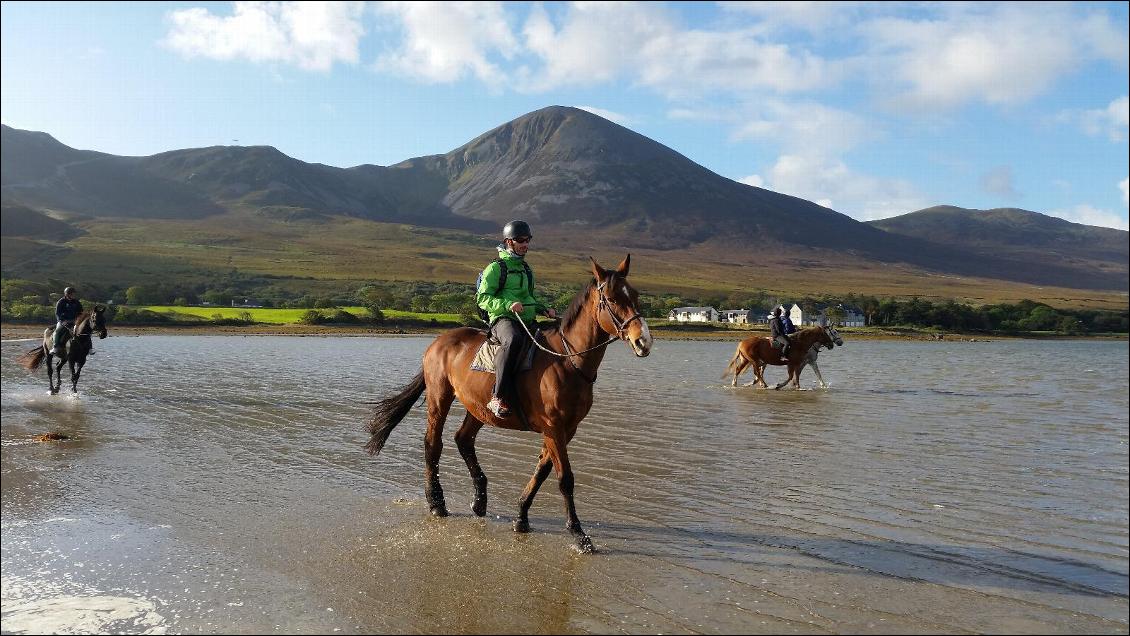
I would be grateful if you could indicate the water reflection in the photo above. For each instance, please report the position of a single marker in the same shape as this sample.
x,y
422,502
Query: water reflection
x,y
933,487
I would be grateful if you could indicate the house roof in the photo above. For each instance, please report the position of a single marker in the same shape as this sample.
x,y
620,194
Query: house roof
x,y
694,309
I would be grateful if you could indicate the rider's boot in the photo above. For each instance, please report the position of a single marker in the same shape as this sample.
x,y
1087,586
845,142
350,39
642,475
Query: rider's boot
x,y
498,407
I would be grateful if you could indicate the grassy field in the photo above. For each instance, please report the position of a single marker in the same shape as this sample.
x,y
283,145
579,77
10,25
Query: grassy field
x,y
347,253
273,316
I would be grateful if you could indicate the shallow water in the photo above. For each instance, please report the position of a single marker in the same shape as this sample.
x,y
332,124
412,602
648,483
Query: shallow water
x,y
218,484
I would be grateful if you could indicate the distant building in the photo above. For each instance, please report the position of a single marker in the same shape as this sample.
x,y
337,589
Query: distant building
x,y
693,314
739,316
839,314
846,316
247,302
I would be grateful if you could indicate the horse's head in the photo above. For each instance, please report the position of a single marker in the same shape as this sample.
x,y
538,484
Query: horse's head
x,y
830,337
618,310
98,321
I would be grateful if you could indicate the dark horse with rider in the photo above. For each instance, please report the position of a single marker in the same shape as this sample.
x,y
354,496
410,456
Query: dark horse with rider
x,y
70,341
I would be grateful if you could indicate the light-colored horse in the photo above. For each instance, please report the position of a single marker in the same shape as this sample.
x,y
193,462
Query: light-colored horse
x,y
756,352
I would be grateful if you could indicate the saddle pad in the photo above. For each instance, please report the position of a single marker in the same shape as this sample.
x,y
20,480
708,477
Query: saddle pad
x,y
484,357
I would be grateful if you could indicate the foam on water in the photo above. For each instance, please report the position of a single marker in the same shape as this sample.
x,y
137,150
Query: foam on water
x,y
49,607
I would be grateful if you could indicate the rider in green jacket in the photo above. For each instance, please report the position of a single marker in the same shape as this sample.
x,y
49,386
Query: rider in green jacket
x,y
515,301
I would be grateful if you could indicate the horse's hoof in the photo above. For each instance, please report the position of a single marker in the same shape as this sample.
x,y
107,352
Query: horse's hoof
x,y
439,511
479,507
584,545
521,525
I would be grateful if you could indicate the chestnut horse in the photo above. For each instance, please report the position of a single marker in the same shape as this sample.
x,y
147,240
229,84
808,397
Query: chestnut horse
x,y
75,349
554,395
758,351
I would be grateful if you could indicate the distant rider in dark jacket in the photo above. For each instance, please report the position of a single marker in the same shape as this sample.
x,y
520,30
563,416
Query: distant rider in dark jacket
x,y
66,312
777,330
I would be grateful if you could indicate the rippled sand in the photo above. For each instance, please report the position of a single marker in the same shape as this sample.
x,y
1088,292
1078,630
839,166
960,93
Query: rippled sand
x,y
218,484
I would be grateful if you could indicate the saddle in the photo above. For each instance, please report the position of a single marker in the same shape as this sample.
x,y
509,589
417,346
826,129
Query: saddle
x,y
484,357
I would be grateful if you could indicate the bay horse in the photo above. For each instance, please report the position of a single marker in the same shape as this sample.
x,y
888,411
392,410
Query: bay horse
x,y
758,351
75,349
554,395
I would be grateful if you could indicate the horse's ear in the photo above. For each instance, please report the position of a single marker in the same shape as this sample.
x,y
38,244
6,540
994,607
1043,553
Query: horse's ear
x,y
622,270
597,271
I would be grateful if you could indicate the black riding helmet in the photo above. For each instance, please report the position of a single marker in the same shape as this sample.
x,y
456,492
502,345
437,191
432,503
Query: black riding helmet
x,y
68,290
517,229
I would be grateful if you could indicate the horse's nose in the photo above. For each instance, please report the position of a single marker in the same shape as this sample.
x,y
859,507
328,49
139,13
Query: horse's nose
x,y
642,345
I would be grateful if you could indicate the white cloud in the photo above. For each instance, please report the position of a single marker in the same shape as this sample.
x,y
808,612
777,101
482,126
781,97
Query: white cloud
x,y
999,181
1090,215
995,53
443,41
613,116
832,184
814,17
754,180
799,127
1113,121
310,35
602,42
1124,185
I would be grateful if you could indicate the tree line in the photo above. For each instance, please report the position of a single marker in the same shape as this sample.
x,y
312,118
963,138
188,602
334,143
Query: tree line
x,y
33,301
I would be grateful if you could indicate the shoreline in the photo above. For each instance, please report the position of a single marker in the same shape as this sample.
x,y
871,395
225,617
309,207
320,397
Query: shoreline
x,y
12,331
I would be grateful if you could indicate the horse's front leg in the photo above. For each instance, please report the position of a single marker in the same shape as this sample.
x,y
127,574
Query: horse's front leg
x,y
465,440
582,542
786,380
816,370
522,523
75,372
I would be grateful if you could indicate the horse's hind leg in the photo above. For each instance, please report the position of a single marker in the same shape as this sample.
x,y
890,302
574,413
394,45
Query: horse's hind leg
x,y
58,382
522,523
743,364
50,372
465,440
439,403
759,375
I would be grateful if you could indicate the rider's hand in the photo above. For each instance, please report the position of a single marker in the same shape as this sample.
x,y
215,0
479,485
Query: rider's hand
x,y
516,307
551,312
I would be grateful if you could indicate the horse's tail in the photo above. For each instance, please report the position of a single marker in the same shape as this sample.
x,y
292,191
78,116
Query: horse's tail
x,y
388,413
732,369
33,358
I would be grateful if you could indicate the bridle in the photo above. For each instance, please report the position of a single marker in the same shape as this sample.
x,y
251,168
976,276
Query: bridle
x,y
88,326
602,304
606,305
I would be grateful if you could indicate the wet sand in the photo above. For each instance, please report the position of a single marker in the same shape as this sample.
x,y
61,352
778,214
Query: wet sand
x,y
217,485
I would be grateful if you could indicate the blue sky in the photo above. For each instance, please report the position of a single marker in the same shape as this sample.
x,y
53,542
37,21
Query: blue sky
x,y
874,109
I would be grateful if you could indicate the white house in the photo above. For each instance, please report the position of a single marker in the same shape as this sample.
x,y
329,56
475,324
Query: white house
x,y
693,314
740,316
848,316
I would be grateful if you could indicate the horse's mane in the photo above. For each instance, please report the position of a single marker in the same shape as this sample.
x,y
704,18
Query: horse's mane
x,y
577,305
